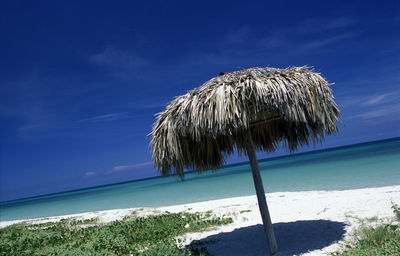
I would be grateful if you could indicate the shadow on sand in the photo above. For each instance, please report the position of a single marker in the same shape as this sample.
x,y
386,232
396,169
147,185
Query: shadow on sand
x,y
293,238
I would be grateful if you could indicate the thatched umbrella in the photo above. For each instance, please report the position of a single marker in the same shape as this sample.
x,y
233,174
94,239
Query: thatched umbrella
x,y
254,108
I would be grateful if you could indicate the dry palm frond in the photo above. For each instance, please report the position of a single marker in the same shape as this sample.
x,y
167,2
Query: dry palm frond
x,y
200,128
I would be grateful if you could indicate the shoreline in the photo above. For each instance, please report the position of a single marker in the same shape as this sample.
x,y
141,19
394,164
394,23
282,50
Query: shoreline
x,y
300,219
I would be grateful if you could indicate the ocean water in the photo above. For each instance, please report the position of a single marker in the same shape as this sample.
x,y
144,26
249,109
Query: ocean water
x,y
371,164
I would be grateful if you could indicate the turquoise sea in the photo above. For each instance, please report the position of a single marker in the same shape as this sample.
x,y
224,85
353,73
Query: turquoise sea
x,y
370,164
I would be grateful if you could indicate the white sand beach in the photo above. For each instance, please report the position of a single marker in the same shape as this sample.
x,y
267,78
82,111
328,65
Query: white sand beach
x,y
305,223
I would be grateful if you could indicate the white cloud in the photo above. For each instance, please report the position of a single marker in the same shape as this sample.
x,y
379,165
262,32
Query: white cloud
x,y
123,168
340,22
120,64
273,41
317,25
383,107
295,37
90,174
390,111
118,59
378,99
326,41
370,100
162,104
105,118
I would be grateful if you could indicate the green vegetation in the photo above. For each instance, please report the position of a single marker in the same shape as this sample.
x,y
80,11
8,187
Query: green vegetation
x,y
382,240
244,211
150,236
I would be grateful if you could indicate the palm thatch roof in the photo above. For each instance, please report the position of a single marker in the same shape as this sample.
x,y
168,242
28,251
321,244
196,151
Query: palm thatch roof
x,y
200,128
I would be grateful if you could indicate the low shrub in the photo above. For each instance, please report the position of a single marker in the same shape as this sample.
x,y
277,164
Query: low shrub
x,y
151,235
383,240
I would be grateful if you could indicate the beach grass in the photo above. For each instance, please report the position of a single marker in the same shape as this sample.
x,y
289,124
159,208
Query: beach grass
x,y
380,240
133,235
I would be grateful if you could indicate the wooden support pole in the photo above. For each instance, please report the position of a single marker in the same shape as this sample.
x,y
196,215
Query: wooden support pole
x,y
262,202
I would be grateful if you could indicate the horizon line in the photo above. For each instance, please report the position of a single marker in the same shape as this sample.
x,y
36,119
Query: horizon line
x,y
191,171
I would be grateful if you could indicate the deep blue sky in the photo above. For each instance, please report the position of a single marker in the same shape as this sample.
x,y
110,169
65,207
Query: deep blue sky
x,y
81,81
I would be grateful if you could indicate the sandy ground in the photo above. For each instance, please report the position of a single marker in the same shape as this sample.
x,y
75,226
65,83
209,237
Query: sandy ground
x,y
305,223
